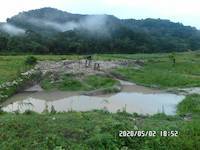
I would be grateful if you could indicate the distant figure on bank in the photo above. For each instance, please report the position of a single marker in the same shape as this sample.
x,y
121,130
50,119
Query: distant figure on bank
x,y
88,61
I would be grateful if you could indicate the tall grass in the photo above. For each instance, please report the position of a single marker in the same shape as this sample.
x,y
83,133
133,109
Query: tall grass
x,y
191,104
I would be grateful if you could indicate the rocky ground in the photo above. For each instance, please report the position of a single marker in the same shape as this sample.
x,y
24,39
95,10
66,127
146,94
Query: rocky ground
x,y
76,67
188,91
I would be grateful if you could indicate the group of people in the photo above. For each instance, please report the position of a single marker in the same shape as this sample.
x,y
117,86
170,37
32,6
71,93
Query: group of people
x,y
88,62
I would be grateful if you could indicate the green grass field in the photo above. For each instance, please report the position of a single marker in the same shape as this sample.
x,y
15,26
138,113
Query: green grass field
x,y
160,71
100,129
10,67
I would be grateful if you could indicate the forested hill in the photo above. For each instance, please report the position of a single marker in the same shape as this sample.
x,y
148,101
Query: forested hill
x,y
48,30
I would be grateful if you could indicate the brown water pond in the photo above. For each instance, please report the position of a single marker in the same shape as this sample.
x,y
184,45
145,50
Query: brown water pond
x,y
133,98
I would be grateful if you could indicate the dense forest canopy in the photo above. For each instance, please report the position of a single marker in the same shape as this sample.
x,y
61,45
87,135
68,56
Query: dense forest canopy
x,y
49,30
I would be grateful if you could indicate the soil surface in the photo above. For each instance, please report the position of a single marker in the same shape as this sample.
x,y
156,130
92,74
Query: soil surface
x,y
76,67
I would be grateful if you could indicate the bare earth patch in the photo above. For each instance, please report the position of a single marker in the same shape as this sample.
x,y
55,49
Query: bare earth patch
x,y
76,67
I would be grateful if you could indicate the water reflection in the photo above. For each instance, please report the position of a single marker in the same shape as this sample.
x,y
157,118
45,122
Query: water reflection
x,y
148,103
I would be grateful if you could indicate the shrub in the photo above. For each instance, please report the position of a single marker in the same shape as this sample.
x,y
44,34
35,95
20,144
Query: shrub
x,y
31,60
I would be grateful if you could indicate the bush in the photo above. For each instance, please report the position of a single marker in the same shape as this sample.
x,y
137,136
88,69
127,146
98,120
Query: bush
x,y
1,111
191,104
28,112
71,84
100,81
31,60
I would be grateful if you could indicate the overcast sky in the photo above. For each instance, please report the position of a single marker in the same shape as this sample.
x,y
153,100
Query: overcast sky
x,y
184,11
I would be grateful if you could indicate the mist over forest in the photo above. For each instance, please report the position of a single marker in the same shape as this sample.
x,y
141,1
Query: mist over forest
x,y
48,30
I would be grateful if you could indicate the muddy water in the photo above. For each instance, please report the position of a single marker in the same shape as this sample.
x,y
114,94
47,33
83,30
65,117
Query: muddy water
x,y
133,98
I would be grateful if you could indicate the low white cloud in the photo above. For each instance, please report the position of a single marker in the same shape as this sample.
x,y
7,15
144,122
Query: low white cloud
x,y
11,29
51,24
93,23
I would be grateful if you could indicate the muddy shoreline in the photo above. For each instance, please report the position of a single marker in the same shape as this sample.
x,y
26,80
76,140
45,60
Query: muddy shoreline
x,y
35,92
131,97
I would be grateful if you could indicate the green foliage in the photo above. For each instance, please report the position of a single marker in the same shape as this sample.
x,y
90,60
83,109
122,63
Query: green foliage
x,y
172,57
159,73
70,85
28,112
104,141
1,111
97,82
11,67
117,36
69,82
191,104
95,130
53,111
3,43
31,60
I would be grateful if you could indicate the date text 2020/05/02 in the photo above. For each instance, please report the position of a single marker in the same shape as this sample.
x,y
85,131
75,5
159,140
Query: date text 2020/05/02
x,y
148,133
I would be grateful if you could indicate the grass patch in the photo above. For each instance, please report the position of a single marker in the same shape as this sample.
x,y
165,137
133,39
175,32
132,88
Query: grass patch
x,y
11,67
97,82
66,82
191,104
70,82
94,130
161,73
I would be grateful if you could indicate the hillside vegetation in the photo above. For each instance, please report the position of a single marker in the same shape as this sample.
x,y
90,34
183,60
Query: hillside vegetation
x,y
49,30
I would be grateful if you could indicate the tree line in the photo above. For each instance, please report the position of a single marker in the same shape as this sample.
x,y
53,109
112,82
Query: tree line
x,y
120,40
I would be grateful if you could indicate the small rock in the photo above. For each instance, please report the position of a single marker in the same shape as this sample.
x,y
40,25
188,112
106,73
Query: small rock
x,y
188,117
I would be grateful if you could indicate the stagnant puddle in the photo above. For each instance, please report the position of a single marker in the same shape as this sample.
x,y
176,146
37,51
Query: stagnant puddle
x,y
132,99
